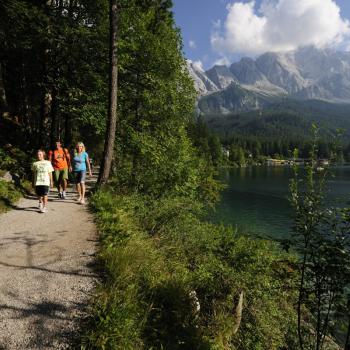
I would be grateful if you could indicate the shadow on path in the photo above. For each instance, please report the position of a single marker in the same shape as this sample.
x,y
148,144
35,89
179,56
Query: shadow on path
x,y
44,314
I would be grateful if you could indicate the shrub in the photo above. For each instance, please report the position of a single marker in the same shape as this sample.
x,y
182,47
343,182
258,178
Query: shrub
x,y
9,195
173,281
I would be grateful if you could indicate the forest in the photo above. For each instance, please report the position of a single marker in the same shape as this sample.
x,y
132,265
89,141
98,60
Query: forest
x,y
170,279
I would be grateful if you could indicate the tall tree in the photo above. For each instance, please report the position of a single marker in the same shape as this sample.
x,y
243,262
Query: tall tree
x,y
54,70
3,102
113,91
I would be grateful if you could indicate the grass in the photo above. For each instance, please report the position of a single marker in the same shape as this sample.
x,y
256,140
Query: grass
x,y
172,281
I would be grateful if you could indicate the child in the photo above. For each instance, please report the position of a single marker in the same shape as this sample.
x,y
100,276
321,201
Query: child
x,y
42,180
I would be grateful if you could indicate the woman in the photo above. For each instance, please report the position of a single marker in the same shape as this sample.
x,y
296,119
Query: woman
x,y
81,162
42,180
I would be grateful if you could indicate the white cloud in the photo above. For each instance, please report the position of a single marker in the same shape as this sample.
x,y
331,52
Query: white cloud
x,y
217,24
198,65
192,44
280,25
222,61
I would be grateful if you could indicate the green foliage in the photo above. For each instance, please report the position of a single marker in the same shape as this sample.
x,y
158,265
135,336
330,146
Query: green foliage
x,y
15,161
156,101
276,130
237,155
61,90
244,149
206,143
321,237
53,67
9,195
173,281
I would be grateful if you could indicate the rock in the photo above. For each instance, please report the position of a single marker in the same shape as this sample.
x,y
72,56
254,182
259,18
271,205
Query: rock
x,y
8,177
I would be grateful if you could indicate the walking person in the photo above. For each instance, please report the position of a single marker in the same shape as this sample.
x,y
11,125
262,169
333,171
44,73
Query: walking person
x,y
42,179
81,163
60,159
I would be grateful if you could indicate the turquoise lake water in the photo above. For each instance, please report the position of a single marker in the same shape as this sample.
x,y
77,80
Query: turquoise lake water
x,y
255,199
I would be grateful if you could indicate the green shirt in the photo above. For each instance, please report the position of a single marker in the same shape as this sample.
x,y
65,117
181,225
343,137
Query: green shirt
x,y
42,170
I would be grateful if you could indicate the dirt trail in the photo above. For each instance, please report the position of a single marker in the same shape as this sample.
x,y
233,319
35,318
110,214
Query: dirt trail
x,y
46,272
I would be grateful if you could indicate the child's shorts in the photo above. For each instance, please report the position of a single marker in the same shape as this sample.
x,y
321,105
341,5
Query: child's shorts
x,y
42,190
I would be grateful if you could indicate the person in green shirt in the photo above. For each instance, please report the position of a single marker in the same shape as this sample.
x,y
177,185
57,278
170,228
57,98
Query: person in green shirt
x,y
42,179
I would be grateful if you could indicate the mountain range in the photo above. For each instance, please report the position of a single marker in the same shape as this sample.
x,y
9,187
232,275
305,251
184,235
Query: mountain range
x,y
255,84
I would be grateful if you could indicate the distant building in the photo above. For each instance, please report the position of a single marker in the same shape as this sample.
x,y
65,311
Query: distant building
x,y
323,162
276,162
226,152
296,161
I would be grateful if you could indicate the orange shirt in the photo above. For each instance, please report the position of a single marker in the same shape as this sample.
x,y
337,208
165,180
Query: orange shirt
x,y
59,158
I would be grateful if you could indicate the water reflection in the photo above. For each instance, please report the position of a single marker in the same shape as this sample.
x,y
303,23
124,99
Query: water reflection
x,y
256,201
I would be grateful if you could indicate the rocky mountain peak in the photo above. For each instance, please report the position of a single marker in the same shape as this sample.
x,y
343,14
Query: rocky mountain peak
x,y
307,73
202,82
247,71
221,76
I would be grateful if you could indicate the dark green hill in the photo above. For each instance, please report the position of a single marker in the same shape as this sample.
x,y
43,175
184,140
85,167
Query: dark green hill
x,y
286,118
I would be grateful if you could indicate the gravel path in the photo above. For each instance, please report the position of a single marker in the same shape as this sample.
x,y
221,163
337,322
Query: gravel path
x,y
46,272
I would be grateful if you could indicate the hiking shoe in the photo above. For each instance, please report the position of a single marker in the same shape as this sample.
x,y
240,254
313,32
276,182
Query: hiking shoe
x,y
43,210
82,201
59,194
63,195
40,206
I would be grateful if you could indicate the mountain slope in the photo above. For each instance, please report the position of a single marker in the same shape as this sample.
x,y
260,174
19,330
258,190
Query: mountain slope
x,y
307,73
234,98
201,81
221,76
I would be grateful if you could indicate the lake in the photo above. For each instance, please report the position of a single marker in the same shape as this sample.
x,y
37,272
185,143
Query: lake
x,y
255,199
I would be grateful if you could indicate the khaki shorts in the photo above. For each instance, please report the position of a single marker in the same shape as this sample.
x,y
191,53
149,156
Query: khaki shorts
x,y
60,175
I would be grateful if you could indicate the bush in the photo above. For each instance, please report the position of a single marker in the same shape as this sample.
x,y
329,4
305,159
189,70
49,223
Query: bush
x,y
16,161
9,195
173,281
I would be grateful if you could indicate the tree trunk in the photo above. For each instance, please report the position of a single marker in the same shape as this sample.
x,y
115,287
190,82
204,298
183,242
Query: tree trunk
x,y
67,130
54,112
44,130
113,90
3,102
24,112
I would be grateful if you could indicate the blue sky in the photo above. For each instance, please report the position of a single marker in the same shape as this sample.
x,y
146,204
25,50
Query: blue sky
x,y
209,38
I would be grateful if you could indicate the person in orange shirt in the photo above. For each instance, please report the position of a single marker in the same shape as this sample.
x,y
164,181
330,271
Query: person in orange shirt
x,y
60,159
